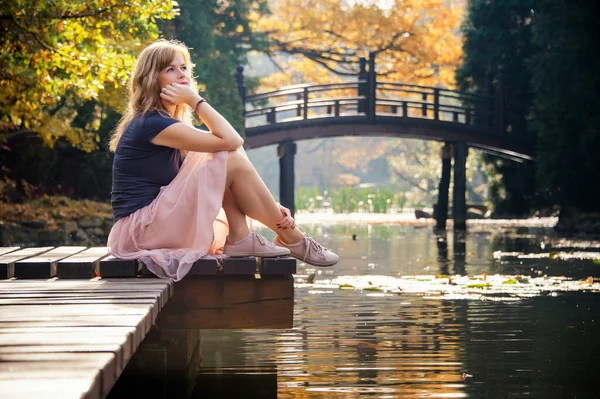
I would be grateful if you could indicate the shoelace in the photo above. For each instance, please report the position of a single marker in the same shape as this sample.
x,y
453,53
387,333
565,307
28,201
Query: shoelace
x,y
260,238
318,248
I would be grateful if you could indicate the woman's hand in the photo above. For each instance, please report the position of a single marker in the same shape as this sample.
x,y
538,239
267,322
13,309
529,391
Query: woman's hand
x,y
179,94
288,221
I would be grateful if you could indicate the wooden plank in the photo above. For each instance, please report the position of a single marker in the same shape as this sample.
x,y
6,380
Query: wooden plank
x,y
100,321
239,266
120,284
124,337
82,264
52,388
44,265
118,297
204,267
7,261
221,291
134,331
277,266
82,343
224,301
35,365
264,314
99,307
110,267
5,250
113,290
70,312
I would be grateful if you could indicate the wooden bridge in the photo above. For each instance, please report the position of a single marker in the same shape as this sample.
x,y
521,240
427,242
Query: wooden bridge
x,y
368,107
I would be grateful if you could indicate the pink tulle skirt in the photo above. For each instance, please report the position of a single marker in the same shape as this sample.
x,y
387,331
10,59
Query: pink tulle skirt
x,y
184,223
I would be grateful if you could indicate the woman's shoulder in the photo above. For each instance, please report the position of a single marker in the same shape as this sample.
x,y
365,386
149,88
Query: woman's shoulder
x,y
154,115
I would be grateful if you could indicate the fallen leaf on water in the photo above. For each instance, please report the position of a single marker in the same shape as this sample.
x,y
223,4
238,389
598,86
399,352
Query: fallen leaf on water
x,y
464,376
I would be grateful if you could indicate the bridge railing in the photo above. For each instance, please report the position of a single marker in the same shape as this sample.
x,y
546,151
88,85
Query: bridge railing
x,y
351,99
302,102
414,101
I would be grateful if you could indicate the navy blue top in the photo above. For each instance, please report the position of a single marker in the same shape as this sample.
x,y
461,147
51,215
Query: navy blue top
x,y
141,168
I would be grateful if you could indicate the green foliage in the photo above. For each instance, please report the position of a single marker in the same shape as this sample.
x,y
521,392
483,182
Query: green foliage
x,y
498,33
220,35
566,84
346,199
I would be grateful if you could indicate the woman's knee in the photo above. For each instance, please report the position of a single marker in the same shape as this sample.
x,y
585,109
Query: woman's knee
x,y
238,163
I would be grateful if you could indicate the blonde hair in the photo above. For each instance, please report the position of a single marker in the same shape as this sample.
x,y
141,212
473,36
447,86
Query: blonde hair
x,y
143,90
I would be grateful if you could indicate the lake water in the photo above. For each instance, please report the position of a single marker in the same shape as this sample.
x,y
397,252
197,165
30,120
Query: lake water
x,y
397,331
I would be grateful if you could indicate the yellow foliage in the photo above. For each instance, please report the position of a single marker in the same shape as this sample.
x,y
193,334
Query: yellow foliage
x,y
71,51
416,41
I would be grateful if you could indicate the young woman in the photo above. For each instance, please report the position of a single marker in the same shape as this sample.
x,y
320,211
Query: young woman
x,y
180,193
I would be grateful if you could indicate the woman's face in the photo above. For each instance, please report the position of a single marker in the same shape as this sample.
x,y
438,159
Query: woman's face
x,y
176,72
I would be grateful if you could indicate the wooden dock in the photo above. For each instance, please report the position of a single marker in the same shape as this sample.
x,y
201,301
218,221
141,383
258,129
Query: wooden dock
x,y
72,318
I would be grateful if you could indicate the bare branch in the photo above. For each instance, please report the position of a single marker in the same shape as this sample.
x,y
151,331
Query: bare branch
x,y
409,180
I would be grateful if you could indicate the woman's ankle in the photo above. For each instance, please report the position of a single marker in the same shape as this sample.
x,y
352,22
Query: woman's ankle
x,y
291,237
235,236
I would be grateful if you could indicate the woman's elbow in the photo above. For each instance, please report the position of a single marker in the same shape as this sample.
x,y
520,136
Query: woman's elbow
x,y
236,143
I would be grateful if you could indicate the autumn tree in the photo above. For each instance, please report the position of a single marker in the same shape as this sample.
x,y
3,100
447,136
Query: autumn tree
x,y
415,41
57,54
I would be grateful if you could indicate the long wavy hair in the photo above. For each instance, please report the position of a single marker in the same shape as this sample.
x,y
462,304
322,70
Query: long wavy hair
x,y
143,90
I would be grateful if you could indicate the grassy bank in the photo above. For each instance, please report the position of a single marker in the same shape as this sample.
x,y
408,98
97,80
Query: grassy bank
x,y
52,211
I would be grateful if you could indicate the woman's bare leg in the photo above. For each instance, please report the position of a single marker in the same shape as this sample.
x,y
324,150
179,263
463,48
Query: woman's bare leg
x,y
238,227
253,198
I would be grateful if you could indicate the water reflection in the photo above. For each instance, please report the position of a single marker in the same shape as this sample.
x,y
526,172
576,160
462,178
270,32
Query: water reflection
x,y
354,344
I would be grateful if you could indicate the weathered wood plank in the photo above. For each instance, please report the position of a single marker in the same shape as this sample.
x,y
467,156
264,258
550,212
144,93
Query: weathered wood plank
x,y
36,365
82,264
120,346
111,267
52,388
107,285
44,265
59,313
135,333
263,314
24,298
204,267
239,266
99,321
7,261
5,250
224,301
277,266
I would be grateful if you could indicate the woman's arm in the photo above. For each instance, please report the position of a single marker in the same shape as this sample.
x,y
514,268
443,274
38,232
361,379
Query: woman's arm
x,y
181,136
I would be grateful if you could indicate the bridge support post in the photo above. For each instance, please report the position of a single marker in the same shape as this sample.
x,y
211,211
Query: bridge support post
x,y
372,87
286,152
363,85
441,209
459,205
